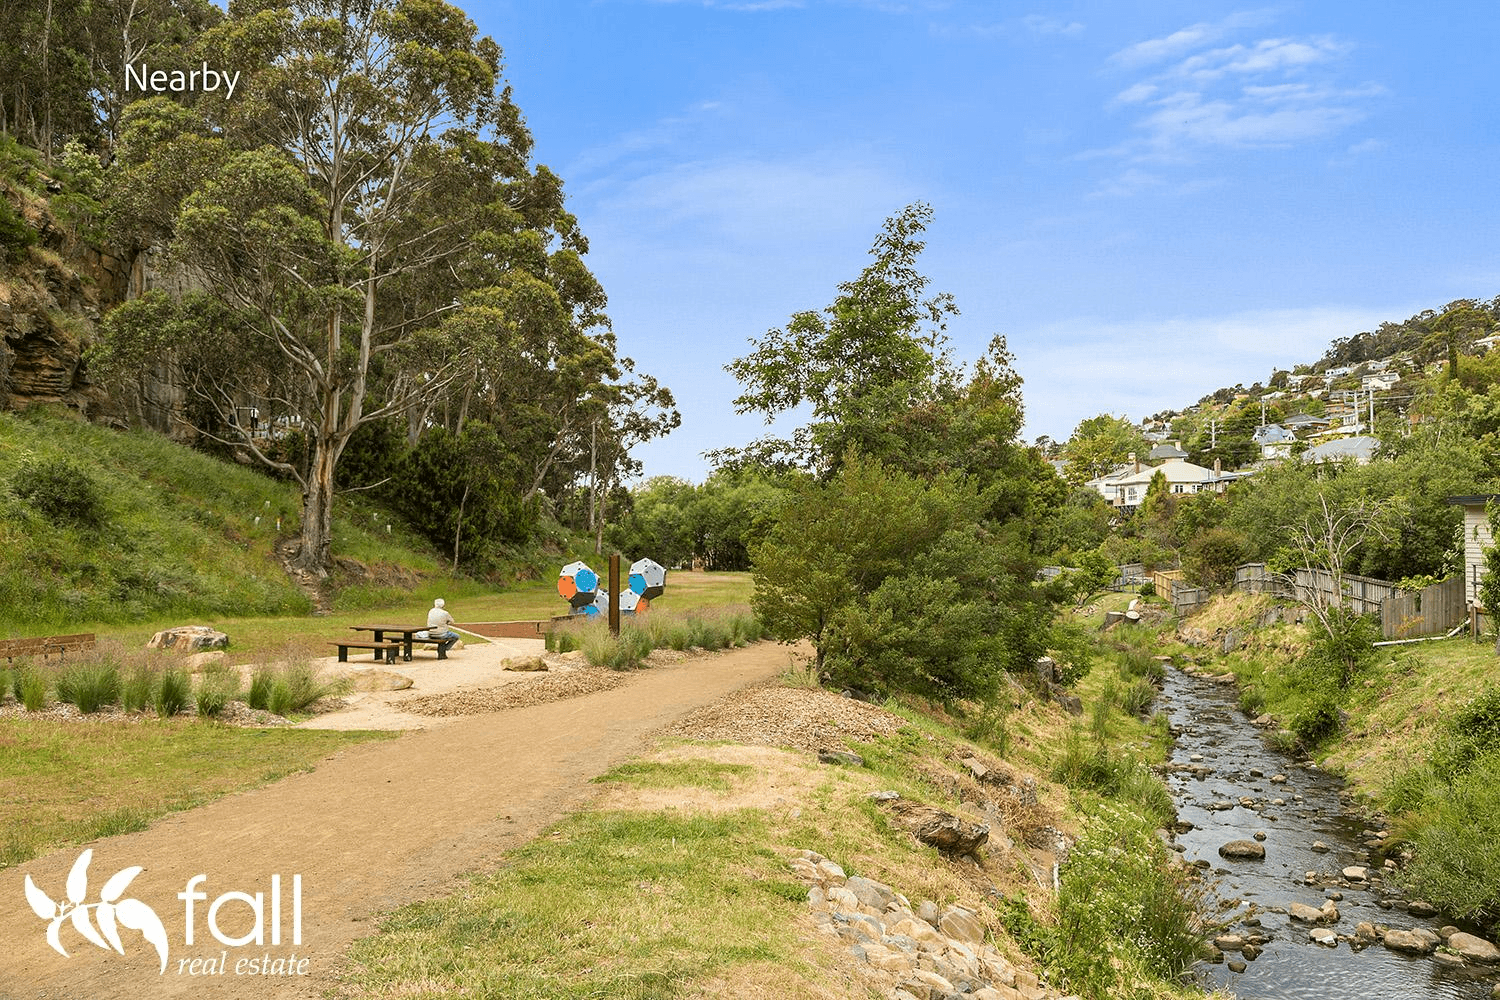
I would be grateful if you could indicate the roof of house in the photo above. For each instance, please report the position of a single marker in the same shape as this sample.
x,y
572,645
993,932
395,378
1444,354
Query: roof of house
x,y
1273,434
1164,451
1303,420
1176,471
1476,501
1361,448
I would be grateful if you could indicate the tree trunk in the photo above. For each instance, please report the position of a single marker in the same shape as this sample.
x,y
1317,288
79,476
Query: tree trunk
x,y
316,553
458,532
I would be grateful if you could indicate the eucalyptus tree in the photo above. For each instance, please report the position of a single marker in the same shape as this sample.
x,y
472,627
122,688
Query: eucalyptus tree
x,y
356,215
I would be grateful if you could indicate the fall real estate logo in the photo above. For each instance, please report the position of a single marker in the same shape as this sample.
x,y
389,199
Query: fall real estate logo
x,y
101,922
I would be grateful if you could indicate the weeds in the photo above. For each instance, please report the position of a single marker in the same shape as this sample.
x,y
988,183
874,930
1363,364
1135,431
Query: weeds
x,y
260,688
639,636
292,687
1116,871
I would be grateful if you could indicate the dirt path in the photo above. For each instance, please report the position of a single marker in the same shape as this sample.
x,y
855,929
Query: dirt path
x,y
374,827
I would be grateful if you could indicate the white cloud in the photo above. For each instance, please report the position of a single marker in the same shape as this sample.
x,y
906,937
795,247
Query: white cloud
x,y
1051,26
1366,147
1266,93
1135,94
755,200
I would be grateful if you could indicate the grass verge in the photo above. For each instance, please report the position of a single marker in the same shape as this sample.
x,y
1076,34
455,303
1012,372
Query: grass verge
x,y
63,783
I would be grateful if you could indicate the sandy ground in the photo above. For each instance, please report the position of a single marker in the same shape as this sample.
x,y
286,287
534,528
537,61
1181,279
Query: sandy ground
x,y
478,664
372,828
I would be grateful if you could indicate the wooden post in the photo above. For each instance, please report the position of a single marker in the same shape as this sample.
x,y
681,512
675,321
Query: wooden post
x,y
614,593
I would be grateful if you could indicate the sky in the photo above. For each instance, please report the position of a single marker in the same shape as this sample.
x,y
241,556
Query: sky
x,y
1150,200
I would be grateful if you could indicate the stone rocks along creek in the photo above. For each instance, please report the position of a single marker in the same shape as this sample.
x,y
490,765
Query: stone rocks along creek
x,y
1231,787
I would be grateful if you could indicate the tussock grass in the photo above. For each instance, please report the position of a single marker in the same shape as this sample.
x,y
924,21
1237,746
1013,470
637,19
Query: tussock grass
x,y
712,629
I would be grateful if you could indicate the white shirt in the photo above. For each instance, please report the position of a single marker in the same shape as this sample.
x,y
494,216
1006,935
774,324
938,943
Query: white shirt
x,y
438,618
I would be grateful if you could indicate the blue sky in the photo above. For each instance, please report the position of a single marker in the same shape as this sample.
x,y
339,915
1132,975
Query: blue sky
x,y
1149,200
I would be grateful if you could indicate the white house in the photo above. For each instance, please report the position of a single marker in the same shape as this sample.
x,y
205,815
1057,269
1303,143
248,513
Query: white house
x,y
1477,538
1274,441
1182,477
1379,382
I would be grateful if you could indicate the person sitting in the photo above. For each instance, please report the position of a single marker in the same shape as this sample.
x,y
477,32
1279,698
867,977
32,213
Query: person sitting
x,y
439,630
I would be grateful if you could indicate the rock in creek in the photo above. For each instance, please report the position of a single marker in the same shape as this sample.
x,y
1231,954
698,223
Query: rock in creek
x,y
1243,850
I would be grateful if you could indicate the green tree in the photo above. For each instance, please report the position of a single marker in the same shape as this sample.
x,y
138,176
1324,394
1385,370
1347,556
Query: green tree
x,y
858,363
1099,444
836,541
348,210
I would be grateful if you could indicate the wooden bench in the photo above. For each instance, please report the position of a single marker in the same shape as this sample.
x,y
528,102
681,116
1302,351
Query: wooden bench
x,y
442,653
390,649
45,646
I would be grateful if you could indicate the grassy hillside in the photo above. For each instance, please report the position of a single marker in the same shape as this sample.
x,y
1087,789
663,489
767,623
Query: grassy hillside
x,y
100,526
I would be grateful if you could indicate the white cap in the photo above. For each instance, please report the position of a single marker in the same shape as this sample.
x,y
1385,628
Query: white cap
x,y
438,603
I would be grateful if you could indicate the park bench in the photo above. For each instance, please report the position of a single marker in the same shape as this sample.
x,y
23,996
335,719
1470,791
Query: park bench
x,y
45,646
390,649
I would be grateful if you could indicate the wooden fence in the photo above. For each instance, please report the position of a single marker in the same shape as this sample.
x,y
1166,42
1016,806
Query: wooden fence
x,y
1403,615
1430,611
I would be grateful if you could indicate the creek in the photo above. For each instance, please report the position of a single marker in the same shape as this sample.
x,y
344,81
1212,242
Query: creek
x,y
1219,759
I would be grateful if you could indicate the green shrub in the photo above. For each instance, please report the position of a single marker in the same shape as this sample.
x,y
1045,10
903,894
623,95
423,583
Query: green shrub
x,y
174,689
1456,861
90,685
32,690
15,235
5,682
210,698
60,490
18,680
1472,733
1316,722
1092,766
1252,700
1148,589
1136,697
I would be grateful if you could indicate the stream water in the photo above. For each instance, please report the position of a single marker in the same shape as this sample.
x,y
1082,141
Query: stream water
x,y
1221,758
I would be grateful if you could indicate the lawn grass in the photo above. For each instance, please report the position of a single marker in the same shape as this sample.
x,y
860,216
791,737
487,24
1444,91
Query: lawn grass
x,y
68,782
255,639
675,774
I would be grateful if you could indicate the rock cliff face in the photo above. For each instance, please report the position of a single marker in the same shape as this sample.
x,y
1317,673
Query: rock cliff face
x,y
51,303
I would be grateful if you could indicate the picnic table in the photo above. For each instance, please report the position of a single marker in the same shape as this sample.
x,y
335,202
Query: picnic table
x,y
406,632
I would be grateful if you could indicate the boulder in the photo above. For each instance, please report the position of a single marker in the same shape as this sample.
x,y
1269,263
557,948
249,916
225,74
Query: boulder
x,y
1243,850
1324,936
1310,914
876,895
942,830
379,680
189,639
1407,941
530,664
1421,908
841,757
1474,948
961,924
202,661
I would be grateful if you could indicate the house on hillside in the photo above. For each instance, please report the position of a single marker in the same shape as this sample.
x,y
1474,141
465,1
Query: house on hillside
x,y
1181,476
1379,382
1477,538
1105,485
1361,448
1305,423
1166,451
1274,441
